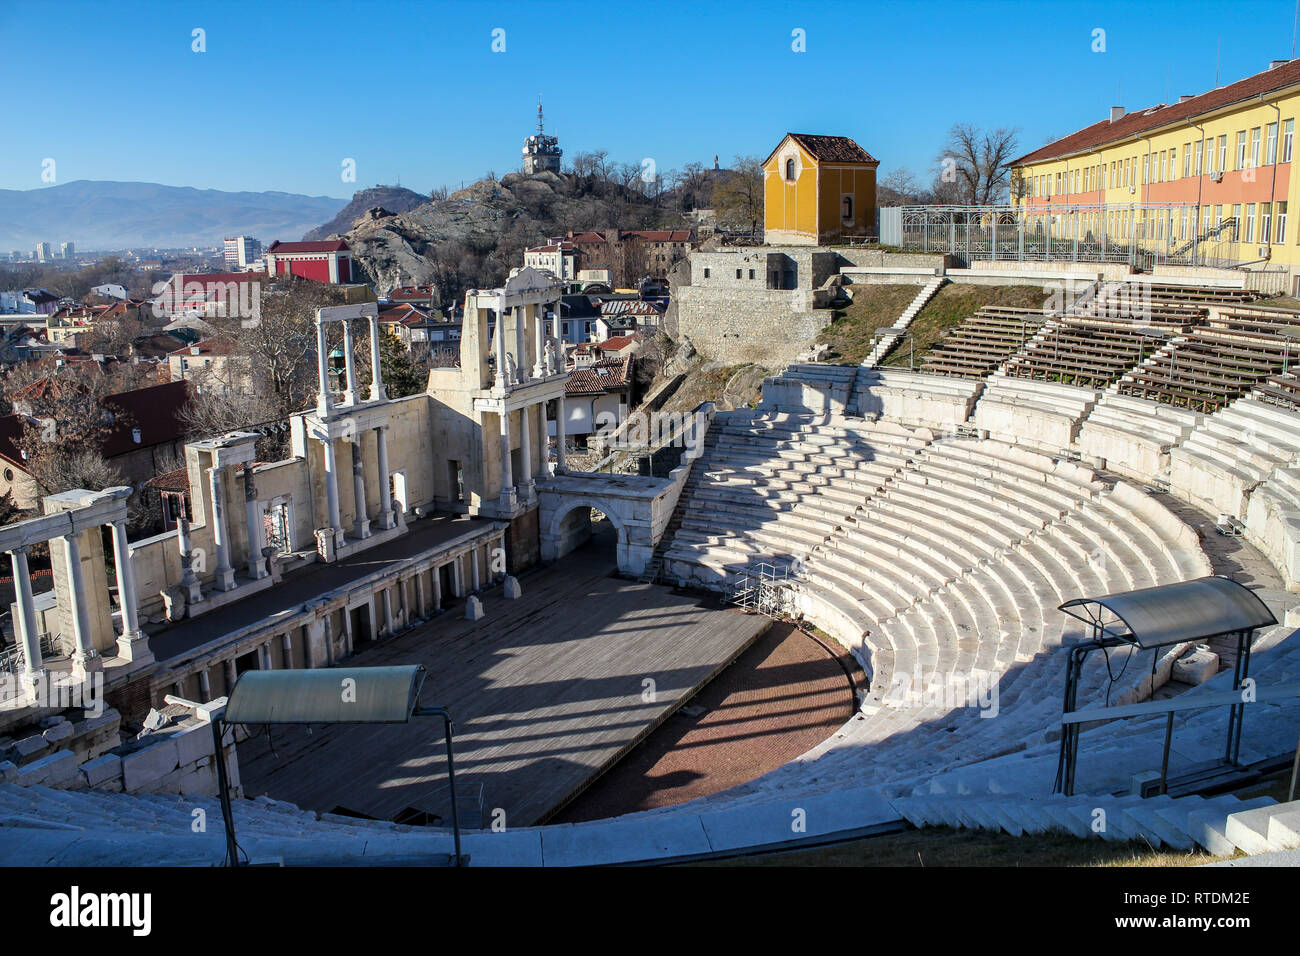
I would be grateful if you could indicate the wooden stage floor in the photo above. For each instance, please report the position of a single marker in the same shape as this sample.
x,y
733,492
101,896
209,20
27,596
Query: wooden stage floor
x,y
547,692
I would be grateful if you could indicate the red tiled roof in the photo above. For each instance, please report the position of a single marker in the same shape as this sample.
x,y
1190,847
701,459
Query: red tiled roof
x,y
155,411
616,343
604,376
828,149
661,235
49,387
207,279
324,245
1144,121
177,480
205,347
411,292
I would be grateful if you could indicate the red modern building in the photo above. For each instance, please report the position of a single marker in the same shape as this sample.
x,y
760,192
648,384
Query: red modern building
x,y
327,261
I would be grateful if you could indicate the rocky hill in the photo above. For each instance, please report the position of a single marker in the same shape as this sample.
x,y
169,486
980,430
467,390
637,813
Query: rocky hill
x,y
477,234
392,198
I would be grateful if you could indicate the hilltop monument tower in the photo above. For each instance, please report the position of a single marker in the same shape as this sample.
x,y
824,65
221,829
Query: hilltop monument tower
x,y
541,152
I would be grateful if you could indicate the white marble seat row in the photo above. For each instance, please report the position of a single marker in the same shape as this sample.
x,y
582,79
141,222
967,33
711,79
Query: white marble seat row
x,y
1037,413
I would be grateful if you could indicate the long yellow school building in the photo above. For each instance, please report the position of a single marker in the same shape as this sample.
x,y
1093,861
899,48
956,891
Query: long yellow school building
x,y
1207,177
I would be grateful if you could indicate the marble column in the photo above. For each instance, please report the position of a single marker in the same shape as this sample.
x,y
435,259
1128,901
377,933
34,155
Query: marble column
x,y
264,657
189,580
323,403
386,518
220,539
332,490
286,648
507,501
539,342
132,644
29,637
353,392
361,524
435,581
557,333
256,527
526,487
205,685
231,676
501,380
84,656
561,413
377,390
521,342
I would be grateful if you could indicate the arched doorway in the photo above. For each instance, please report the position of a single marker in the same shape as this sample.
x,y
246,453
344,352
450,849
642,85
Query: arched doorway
x,y
584,524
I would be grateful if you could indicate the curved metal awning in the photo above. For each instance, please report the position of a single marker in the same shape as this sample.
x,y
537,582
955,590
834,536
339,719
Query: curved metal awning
x,y
327,695
1174,613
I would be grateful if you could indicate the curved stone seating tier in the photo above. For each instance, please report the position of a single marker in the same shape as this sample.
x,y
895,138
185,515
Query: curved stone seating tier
x,y
1273,522
1231,452
801,388
916,399
1040,414
768,488
1133,436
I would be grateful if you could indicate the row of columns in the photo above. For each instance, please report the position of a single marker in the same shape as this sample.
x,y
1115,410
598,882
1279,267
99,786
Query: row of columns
x,y
85,657
548,356
476,555
361,522
352,391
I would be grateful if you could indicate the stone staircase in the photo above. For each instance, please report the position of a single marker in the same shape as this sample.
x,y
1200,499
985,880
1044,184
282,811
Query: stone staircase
x,y
890,337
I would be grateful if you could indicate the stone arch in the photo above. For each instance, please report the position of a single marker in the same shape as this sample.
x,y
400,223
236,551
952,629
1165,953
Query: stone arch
x,y
556,542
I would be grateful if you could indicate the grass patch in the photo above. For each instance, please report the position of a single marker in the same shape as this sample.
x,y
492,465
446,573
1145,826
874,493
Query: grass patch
x,y
873,307
953,304
879,306
944,846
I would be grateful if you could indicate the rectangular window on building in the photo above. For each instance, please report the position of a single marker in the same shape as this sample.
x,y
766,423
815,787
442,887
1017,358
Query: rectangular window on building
x,y
1236,219
1187,160
1241,149
738,275
1173,164
1196,162
1265,221
1270,145
1146,169
1287,129
1223,154
1254,147
1280,228
1250,223
706,275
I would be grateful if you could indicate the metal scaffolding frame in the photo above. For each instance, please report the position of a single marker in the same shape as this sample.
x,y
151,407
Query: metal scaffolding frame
x,y
763,588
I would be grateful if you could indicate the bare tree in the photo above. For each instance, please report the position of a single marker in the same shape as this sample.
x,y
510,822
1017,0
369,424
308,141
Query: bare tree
x,y
899,188
738,199
976,161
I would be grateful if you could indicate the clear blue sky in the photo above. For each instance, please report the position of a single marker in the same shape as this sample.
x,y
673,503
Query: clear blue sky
x,y
287,90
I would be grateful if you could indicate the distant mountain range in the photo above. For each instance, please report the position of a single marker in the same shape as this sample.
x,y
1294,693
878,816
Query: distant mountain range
x,y
112,215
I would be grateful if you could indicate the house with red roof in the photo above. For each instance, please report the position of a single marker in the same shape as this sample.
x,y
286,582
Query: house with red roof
x,y
145,433
327,260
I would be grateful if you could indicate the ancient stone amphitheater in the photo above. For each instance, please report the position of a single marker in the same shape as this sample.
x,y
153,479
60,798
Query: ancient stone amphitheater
x,y
933,522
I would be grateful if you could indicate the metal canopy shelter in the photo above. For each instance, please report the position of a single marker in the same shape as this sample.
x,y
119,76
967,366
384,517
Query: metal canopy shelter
x,y
332,695
1151,618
